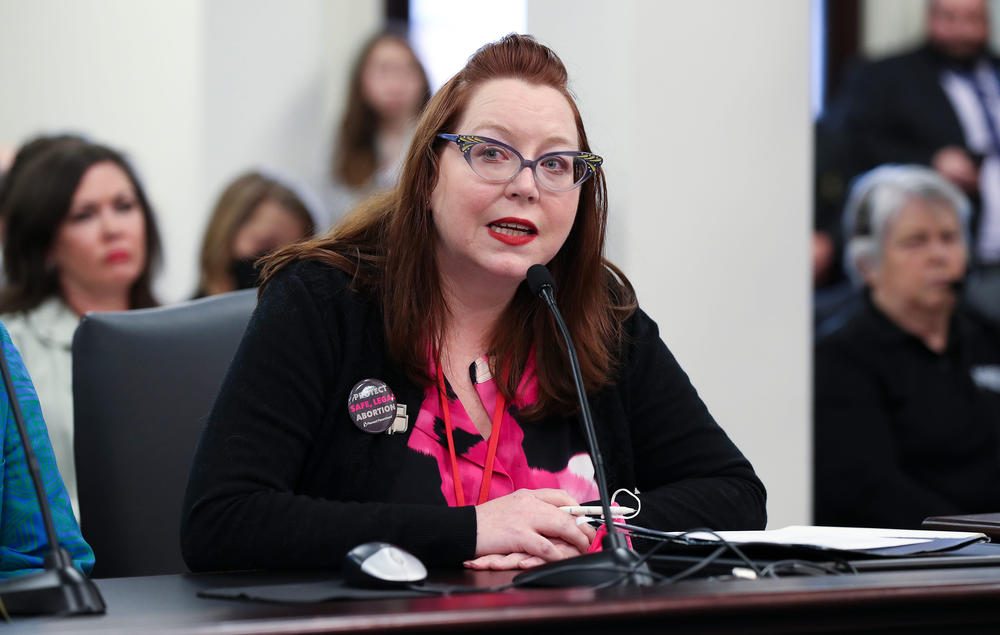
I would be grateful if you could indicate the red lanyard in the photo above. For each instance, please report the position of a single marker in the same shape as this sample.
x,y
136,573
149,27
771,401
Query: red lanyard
x,y
491,452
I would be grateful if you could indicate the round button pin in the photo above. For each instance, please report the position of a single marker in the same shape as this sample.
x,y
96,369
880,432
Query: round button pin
x,y
372,406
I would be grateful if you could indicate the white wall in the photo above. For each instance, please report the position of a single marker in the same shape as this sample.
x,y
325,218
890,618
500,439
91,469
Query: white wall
x,y
702,112
193,91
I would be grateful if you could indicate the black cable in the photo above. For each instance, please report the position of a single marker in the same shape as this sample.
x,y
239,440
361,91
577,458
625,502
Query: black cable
x,y
698,566
663,538
527,578
666,538
736,550
637,564
837,567
808,567
654,534
684,538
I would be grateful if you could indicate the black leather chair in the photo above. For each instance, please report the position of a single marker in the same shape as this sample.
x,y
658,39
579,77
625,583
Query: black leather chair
x,y
143,384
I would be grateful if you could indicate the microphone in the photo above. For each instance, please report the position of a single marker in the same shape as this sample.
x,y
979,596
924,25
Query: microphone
x,y
608,565
540,281
60,589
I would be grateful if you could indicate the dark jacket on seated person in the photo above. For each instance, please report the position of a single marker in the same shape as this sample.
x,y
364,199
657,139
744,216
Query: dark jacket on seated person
x,y
283,479
903,432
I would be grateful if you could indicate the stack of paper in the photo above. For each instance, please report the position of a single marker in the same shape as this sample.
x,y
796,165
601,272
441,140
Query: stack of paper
x,y
847,538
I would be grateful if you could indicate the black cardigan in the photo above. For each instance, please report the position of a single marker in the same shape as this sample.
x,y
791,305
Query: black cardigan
x,y
903,432
283,479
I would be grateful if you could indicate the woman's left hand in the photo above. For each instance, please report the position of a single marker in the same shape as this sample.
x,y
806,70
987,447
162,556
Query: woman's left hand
x,y
501,562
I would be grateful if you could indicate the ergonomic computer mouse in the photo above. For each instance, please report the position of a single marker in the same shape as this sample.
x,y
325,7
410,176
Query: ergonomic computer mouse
x,y
381,565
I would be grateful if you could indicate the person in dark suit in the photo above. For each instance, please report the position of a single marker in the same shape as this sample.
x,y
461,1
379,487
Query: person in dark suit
x,y
939,105
898,110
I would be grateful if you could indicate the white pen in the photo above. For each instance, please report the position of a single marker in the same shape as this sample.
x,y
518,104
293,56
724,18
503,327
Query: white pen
x,y
595,510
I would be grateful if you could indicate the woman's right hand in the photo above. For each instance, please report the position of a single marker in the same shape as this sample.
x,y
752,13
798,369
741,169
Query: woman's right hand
x,y
528,525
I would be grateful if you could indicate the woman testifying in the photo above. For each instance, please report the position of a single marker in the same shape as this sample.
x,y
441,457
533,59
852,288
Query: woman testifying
x,y
399,382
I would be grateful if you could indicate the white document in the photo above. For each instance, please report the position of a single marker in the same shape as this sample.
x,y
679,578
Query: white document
x,y
843,538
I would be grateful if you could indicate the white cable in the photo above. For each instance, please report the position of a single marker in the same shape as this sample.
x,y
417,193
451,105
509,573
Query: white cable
x,y
638,503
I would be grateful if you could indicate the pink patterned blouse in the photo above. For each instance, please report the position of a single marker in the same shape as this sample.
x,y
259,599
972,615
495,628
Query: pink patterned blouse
x,y
529,455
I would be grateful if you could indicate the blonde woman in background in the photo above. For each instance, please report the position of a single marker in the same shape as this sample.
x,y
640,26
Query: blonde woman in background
x,y
255,215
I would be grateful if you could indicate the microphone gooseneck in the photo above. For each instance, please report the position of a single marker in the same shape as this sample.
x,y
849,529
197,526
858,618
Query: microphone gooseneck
x,y
540,283
607,566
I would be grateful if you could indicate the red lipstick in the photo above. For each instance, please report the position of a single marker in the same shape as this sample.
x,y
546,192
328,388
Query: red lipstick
x,y
513,231
117,255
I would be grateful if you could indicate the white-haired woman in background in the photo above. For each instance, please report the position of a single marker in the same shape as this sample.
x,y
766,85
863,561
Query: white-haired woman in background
x,y
907,391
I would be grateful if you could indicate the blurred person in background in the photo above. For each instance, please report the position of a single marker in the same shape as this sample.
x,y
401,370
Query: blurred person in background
x,y
388,90
255,215
79,236
13,163
939,105
907,391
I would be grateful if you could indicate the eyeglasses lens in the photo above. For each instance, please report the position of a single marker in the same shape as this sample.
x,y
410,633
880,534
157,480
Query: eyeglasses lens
x,y
498,164
493,163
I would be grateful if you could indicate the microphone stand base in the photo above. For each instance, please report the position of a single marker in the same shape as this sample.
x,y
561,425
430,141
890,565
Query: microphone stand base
x,y
610,567
62,591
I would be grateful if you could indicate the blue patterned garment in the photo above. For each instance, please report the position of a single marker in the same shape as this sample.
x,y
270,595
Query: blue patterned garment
x,y
22,534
